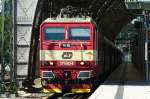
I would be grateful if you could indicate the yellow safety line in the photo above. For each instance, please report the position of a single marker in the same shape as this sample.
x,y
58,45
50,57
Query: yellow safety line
x,y
52,90
81,90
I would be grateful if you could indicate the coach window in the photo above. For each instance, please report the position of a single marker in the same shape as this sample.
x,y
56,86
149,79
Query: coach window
x,y
54,33
79,33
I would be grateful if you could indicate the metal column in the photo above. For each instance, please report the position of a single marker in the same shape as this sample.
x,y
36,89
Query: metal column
x,y
146,55
146,22
14,38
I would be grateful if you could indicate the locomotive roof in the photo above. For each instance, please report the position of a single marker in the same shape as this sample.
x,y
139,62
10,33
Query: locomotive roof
x,y
68,20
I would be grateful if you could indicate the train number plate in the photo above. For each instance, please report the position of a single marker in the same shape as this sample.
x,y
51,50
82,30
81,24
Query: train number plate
x,y
67,63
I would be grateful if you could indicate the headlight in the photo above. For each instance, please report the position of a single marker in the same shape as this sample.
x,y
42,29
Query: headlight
x,y
51,63
68,45
82,63
65,45
45,63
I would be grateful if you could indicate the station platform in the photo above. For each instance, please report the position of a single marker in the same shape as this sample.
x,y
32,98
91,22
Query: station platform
x,y
126,82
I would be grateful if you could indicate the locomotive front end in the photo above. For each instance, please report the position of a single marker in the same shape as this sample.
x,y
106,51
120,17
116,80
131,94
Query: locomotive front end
x,y
67,55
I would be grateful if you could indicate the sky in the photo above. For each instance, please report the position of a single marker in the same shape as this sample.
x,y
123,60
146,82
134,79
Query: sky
x,y
143,0
0,6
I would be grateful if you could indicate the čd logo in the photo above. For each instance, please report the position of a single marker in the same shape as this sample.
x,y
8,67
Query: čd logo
x,y
67,55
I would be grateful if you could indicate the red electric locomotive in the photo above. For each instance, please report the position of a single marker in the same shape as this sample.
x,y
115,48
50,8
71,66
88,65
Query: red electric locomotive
x,y
68,54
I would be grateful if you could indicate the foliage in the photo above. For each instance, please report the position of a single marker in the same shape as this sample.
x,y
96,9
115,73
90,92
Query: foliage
x,y
6,38
7,31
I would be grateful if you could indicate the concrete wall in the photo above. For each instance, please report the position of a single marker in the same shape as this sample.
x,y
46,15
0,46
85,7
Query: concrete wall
x,y
24,21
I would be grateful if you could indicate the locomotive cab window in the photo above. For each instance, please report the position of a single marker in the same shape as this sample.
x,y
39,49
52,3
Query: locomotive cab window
x,y
79,33
54,33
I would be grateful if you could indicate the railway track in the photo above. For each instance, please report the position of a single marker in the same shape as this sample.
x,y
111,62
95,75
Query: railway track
x,y
53,96
35,92
69,96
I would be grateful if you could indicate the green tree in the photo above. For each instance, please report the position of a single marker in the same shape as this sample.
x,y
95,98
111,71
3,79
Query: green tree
x,y
7,31
6,38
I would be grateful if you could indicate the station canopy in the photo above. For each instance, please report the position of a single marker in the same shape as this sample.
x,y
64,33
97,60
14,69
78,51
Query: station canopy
x,y
110,15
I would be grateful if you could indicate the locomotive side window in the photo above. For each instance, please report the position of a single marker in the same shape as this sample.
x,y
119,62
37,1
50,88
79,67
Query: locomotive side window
x,y
54,33
79,33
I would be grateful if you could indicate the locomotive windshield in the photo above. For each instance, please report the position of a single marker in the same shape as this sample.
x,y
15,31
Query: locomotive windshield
x,y
79,33
54,33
